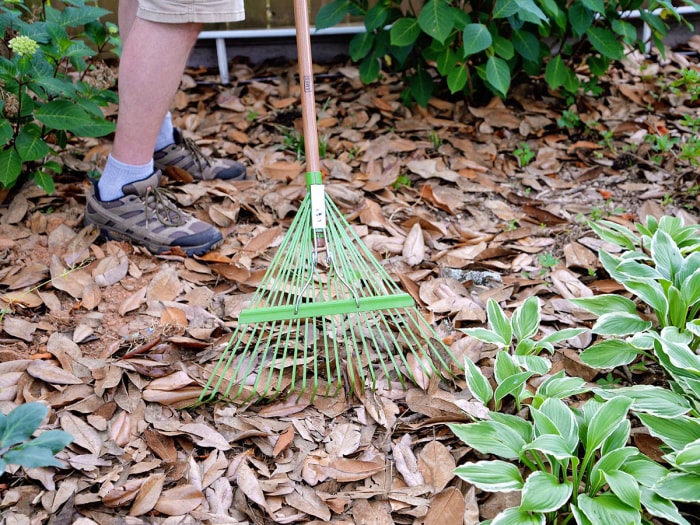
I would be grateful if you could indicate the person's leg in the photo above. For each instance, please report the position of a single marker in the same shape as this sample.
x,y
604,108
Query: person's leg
x,y
153,61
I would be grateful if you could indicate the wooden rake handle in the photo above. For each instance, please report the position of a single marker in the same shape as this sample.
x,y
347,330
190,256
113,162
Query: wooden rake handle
x,y
306,82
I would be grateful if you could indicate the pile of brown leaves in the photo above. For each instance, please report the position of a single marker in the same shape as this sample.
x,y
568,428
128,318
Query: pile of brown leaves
x,y
117,342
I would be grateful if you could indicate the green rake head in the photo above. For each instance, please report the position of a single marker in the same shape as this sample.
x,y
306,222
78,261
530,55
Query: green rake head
x,y
326,314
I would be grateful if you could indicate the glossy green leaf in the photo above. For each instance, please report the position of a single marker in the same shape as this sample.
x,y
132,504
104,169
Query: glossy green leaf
x,y
332,13
44,180
646,471
421,86
477,383
688,459
679,486
526,45
457,78
361,45
485,335
624,487
64,115
498,321
561,386
493,476
650,399
512,385
503,47
543,492
581,18
490,437
661,507
666,255
605,42
10,167
20,423
557,74
676,432
609,354
515,516
609,510
605,421
613,460
498,74
475,38
533,363
30,145
526,318
620,324
31,457
404,32
615,233
552,445
505,8
606,303
435,19
597,6
690,288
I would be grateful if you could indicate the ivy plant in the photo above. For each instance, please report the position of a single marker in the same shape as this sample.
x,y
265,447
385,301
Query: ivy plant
x,y
52,84
469,44
17,447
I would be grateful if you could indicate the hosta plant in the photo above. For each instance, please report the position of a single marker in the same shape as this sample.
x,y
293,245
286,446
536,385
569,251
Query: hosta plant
x,y
471,44
521,334
17,447
660,267
51,83
571,464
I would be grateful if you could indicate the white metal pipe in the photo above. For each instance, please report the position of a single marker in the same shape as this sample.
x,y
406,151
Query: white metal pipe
x,y
286,32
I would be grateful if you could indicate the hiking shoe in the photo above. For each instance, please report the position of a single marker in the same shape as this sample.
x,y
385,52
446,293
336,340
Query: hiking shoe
x,y
185,155
147,216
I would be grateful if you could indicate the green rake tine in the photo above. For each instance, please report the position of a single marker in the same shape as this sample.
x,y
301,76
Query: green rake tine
x,y
383,336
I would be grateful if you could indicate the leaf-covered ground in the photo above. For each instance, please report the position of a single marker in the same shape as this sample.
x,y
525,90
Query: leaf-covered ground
x,y
118,341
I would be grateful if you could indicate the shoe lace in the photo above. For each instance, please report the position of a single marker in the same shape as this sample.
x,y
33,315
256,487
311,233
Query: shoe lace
x,y
159,202
197,153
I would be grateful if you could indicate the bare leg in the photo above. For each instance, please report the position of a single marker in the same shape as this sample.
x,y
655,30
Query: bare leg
x,y
127,15
151,67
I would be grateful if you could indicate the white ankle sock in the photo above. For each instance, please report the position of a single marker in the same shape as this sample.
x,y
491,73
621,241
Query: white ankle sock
x,y
117,174
165,135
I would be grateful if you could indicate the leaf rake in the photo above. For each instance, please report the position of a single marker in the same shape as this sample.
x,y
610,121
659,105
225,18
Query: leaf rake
x,y
326,311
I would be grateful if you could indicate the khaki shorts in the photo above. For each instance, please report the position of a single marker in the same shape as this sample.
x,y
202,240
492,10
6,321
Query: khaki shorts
x,y
183,11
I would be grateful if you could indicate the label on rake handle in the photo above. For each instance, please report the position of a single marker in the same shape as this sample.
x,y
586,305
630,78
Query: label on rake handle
x,y
318,206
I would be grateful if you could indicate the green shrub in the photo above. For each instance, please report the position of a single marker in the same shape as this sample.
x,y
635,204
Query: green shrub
x,y
470,44
16,444
50,84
